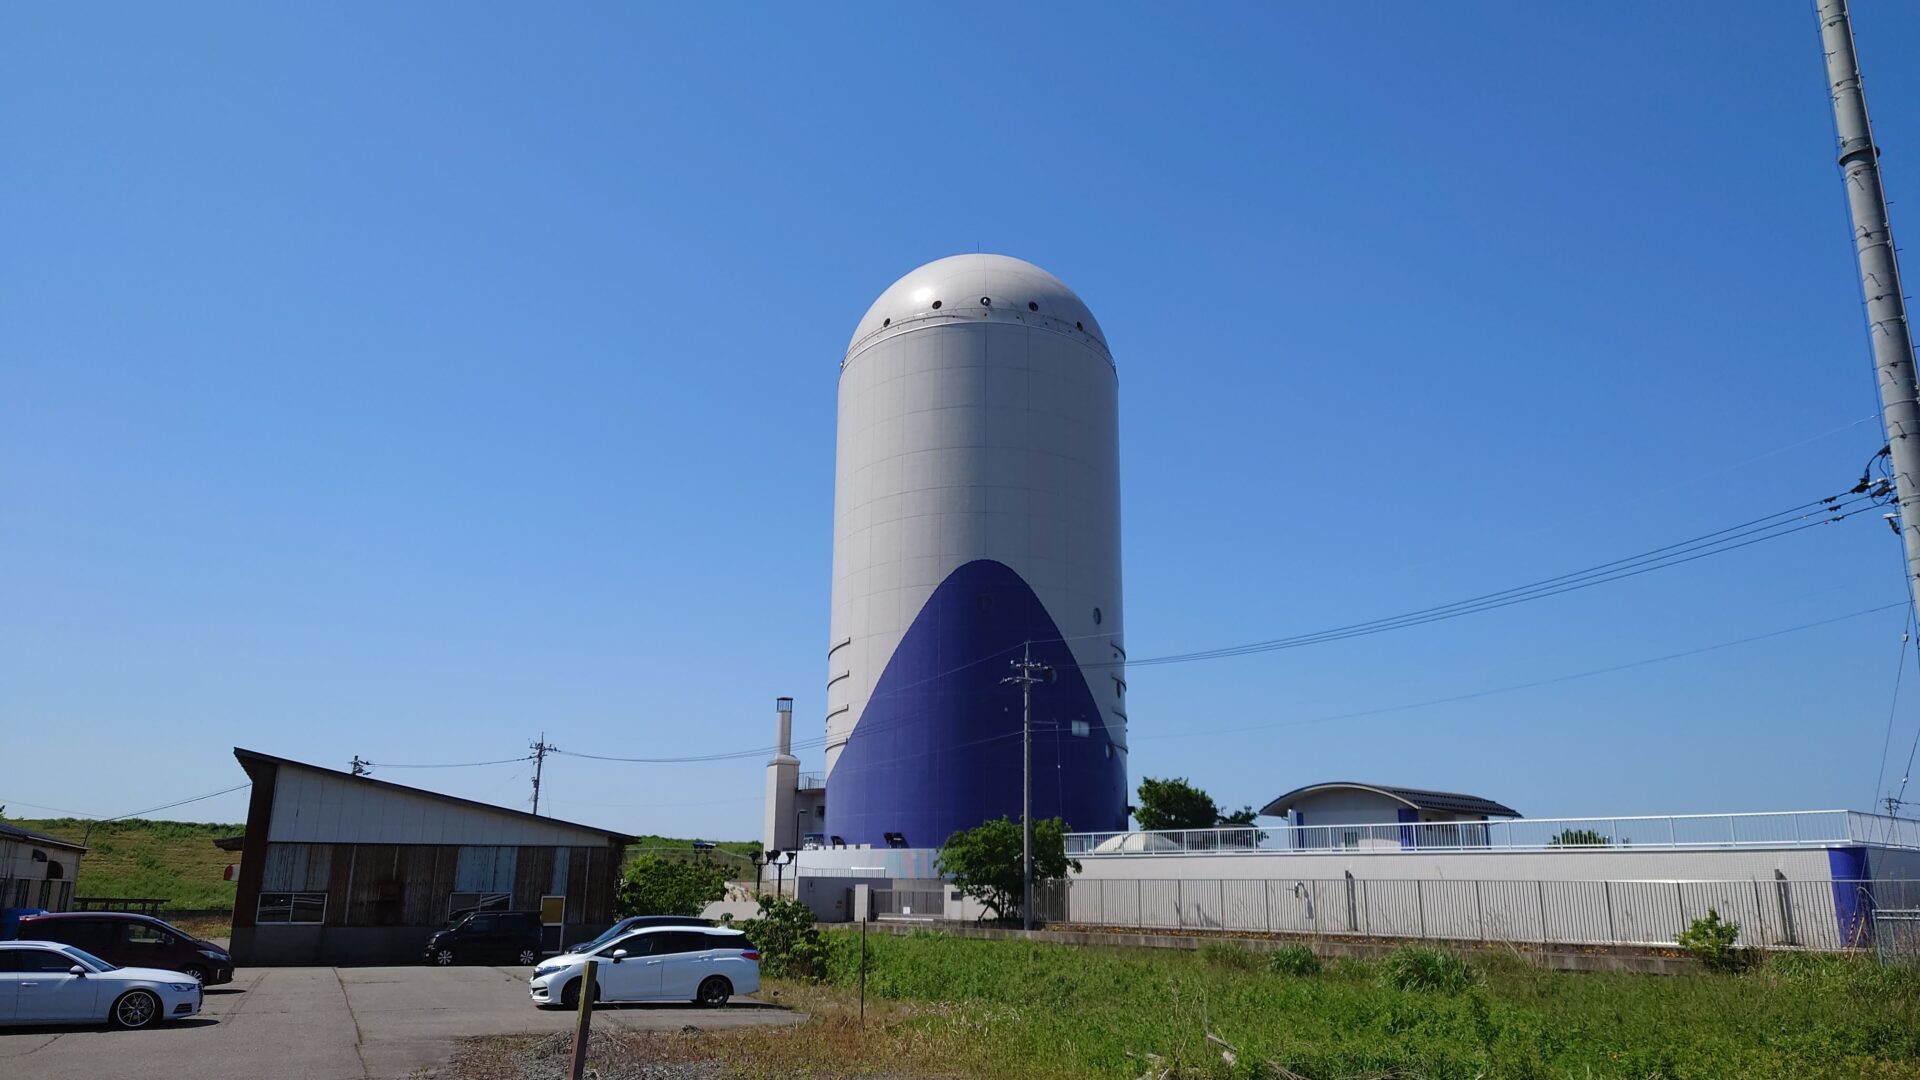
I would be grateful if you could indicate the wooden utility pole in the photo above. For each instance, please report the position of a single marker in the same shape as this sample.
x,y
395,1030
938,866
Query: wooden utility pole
x,y
583,1021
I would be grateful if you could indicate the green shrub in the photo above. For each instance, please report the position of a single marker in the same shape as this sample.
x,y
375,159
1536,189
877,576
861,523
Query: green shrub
x,y
1427,968
1293,960
1220,954
1711,941
790,945
1578,838
658,886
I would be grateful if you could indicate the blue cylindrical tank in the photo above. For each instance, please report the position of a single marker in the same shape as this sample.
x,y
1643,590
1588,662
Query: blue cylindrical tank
x,y
976,516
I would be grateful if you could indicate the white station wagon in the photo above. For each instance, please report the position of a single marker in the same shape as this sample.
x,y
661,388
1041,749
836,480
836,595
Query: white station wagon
x,y
46,982
707,965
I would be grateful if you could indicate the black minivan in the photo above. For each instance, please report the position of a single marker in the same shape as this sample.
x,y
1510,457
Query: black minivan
x,y
636,922
488,937
121,937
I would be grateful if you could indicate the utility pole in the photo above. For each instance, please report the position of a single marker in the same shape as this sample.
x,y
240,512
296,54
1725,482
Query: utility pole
x,y
540,751
359,766
1029,671
1887,327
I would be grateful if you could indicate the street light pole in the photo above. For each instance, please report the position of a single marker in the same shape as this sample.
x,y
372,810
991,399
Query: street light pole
x,y
1030,671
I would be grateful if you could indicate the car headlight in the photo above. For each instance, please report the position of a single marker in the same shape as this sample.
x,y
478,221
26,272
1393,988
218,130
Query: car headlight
x,y
183,987
545,969
213,955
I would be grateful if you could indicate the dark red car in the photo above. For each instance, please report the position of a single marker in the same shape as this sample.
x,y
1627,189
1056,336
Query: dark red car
x,y
132,941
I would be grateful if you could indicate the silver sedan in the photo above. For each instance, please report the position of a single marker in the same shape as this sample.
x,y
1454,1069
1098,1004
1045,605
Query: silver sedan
x,y
46,982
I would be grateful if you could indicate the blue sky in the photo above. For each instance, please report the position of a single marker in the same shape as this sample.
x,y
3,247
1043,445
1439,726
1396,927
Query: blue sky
x,y
405,381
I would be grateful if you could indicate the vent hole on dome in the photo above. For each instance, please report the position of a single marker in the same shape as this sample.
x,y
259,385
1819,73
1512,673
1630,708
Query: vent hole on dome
x,y
1031,306
886,322
986,301
1076,326
1096,616
936,305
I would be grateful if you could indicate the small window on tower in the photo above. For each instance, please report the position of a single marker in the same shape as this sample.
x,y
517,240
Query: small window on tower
x,y
1082,728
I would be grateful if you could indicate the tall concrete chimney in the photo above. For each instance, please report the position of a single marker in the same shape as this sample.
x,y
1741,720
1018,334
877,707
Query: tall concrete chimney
x,y
783,779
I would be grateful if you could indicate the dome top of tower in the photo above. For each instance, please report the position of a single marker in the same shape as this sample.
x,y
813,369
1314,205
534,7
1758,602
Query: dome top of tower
x,y
977,286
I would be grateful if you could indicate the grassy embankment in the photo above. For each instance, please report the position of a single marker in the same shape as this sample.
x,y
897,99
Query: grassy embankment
x,y
171,859
957,1007
177,859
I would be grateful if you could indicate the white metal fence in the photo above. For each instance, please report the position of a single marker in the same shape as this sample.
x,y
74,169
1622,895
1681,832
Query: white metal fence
x,y
1819,915
1806,828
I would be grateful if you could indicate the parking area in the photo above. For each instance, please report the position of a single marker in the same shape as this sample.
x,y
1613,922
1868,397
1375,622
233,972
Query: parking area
x,y
322,1023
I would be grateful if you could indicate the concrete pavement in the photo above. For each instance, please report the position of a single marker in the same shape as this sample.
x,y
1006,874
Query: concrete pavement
x,y
321,1023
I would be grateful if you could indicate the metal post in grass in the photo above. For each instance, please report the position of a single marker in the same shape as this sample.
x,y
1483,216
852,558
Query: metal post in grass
x,y
1786,906
583,1020
863,969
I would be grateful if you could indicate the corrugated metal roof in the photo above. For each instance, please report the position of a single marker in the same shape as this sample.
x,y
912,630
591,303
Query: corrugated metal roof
x,y
1449,802
250,758
29,835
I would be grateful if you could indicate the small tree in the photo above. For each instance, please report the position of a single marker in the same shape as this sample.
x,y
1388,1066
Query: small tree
x,y
1711,941
1242,816
1578,838
656,886
984,862
790,945
1174,804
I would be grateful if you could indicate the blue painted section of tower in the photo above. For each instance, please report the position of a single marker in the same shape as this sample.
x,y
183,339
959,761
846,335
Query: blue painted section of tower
x,y
938,749
1852,894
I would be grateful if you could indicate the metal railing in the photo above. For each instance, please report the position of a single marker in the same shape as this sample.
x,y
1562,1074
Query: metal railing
x,y
1805,828
811,781
1815,915
1896,934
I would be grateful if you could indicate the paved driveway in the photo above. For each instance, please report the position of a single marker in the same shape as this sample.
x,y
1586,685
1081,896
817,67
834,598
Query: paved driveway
x,y
334,1024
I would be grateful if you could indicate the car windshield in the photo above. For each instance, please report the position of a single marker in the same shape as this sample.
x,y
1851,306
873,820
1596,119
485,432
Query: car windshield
x,y
628,940
588,946
617,930
89,959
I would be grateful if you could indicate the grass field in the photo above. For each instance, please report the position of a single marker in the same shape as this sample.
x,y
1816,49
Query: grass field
x,y
172,859
177,859
959,1007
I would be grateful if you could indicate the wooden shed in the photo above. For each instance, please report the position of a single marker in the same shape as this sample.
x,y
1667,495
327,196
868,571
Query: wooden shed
x,y
343,869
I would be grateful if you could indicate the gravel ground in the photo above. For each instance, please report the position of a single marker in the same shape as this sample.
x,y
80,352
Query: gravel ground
x,y
609,1057
612,1056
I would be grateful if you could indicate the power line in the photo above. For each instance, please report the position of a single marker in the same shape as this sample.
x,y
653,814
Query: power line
x,y
1838,508
171,805
38,806
1893,707
453,765
1781,523
1535,683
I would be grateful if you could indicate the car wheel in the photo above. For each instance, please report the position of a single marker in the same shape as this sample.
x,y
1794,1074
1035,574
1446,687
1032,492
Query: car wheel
x,y
443,957
135,1009
528,957
199,973
714,992
570,995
